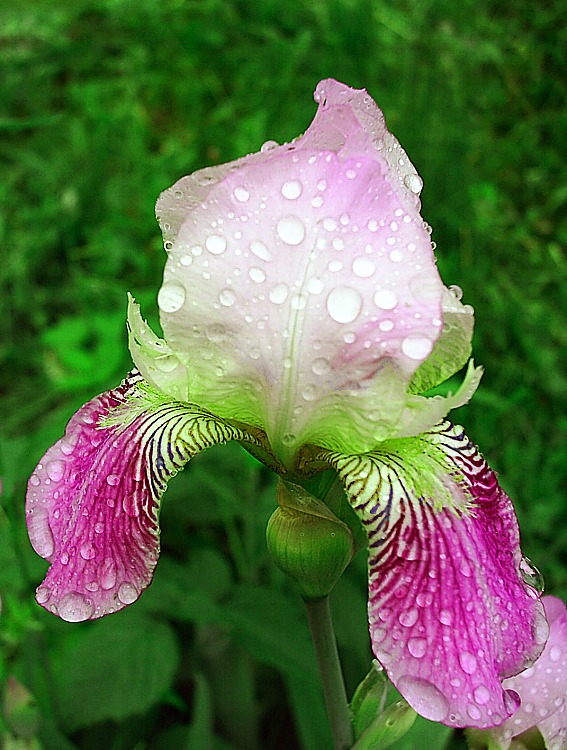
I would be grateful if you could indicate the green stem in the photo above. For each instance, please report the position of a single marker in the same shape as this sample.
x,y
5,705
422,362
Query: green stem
x,y
323,636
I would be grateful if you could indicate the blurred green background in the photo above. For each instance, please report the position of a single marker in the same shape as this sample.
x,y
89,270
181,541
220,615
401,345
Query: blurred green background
x,y
103,104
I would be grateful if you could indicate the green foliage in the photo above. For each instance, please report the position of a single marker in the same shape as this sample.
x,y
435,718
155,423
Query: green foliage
x,y
105,103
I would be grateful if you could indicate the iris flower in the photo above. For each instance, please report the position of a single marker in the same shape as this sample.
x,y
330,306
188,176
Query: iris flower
x,y
303,316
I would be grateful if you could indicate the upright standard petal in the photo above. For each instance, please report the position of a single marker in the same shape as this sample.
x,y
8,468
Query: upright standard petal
x,y
300,291
93,501
450,613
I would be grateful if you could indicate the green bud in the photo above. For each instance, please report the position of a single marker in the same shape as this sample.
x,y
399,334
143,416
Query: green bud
x,y
308,542
390,726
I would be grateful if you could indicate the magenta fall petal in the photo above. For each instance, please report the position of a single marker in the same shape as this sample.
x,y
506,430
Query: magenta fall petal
x,y
449,612
93,500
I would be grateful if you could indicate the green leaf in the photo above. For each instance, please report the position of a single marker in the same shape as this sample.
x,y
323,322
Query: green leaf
x,y
309,713
424,734
117,667
271,626
201,736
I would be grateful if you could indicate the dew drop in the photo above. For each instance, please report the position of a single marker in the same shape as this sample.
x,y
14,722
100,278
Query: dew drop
x,y
317,201
416,347
309,393
385,299
75,608
386,325
408,618
260,250
278,294
298,302
55,470
334,266
555,653
87,551
292,189
166,363
468,662
268,146
456,291
445,617
417,647
315,286
424,697
474,712
35,480
344,304
413,182
40,532
320,366
215,244
107,575
530,574
171,297
227,297
363,267
112,480
127,593
257,275
186,260
396,256
291,230
241,194
99,528
131,506
481,695
64,558
42,594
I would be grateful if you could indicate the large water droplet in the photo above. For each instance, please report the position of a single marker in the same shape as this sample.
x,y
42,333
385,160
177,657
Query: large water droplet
x,y
363,267
55,470
344,304
278,294
291,230
413,182
468,662
127,593
530,575
241,194
260,250
40,532
408,617
131,505
417,647
481,695
107,575
292,189
42,594
87,551
215,244
424,697
257,275
75,608
385,299
416,347
227,297
171,297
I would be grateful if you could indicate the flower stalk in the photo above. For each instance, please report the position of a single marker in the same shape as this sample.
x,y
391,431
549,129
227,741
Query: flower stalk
x,y
325,644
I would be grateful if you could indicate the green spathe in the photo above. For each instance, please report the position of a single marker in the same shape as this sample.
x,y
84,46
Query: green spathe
x,y
308,542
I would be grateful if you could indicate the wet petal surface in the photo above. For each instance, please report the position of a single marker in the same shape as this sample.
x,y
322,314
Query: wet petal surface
x,y
450,614
93,500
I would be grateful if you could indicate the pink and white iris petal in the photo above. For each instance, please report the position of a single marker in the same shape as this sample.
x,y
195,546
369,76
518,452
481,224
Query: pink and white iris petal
x,y
542,688
301,296
93,501
449,612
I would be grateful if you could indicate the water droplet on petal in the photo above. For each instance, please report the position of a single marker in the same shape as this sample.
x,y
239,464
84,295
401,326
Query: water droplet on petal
x,y
334,266
127,593
291,230
530,574
474,712
292,189
481,695
42,594
227,297
107,576
75,608
456,291
468,662
385,299
35,480
315,286
40,531
171,297
260,250
112,480
424,697
257,275
417,647
241,194
344,304
268,146
55,470
408,617
363,267
215,244
416,347
87,551
413,182
445,617
555,653
278,294
320,366
512,700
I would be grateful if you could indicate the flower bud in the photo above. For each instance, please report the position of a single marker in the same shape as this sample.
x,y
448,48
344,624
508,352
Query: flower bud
x,y
307,541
